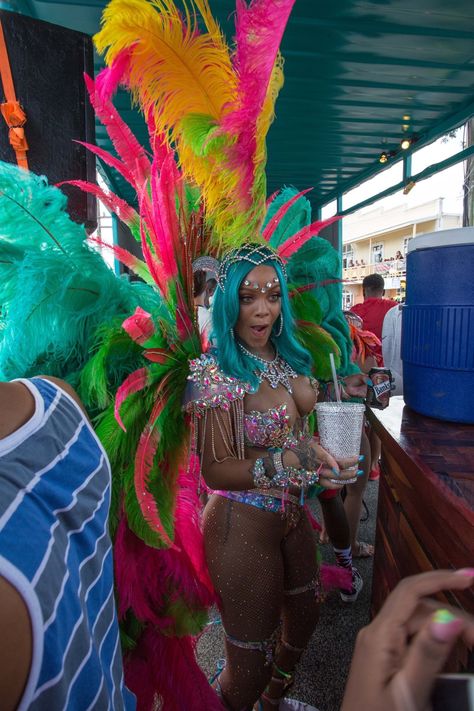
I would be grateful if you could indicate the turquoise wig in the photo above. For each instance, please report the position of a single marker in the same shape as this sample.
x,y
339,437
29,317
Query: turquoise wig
x,y
225,313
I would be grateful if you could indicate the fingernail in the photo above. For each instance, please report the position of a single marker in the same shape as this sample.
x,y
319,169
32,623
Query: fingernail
x,y
360,472
336,471
369,382
445,626
468,572
362,457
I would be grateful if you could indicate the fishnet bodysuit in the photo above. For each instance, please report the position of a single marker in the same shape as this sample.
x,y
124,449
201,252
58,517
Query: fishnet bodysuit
x,y
253,557
264,567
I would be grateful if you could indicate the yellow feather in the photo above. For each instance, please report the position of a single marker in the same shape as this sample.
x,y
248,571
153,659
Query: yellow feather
x,y
188,80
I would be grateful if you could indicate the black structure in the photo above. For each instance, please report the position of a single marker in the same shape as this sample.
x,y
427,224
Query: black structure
x,y
47,64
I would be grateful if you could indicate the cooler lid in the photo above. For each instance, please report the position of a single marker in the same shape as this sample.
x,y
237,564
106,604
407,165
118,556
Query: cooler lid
x,y
442,238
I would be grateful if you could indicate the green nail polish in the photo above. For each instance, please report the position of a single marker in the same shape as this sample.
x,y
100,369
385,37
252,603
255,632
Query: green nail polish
x,y
443,617
360,472
335,471
362,457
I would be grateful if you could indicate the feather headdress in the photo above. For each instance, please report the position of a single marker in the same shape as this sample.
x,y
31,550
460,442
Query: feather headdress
x,y
211,103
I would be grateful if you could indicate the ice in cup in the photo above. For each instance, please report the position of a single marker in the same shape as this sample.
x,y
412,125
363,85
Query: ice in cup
x,y
340,429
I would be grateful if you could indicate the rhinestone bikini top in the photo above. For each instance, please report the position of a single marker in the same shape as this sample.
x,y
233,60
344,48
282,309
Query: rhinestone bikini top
x,y
272,428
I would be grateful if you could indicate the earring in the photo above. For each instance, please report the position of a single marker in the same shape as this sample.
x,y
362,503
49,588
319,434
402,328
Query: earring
x,y
280,330
232,332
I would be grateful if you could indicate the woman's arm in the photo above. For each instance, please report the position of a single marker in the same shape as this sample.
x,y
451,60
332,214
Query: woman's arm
x,y
222,468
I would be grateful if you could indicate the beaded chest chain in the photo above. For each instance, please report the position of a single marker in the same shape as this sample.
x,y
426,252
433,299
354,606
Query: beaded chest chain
x,y
276,372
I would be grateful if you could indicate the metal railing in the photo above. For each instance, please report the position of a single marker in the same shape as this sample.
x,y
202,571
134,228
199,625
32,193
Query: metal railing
x,y
392,267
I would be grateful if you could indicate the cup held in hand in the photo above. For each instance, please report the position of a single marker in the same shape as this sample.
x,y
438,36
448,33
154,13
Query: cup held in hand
x,y
340,428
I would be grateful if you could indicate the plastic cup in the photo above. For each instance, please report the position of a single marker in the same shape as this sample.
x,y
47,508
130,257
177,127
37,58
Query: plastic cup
x,y
340,429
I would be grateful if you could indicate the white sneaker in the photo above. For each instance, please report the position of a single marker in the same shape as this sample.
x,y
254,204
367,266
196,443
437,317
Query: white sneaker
x,y
357,585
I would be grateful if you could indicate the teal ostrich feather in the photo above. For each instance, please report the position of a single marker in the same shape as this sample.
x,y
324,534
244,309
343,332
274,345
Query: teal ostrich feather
x,y
318,263
55,290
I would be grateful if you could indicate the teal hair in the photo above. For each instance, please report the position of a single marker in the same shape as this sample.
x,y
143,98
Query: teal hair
x,y
225,313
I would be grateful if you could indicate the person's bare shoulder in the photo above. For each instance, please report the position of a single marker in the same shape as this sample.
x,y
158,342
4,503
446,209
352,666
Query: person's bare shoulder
x,y
16,646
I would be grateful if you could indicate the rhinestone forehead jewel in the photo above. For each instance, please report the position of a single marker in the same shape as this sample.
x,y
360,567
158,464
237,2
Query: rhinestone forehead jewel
x,y
255,285
253,254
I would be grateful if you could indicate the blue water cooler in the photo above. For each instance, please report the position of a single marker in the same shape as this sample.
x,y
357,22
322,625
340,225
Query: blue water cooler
x,y
438,325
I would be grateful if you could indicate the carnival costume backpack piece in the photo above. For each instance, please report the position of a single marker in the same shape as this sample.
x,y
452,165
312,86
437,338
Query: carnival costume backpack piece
x,y
126,347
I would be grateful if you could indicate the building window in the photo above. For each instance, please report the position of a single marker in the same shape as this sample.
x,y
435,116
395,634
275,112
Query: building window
x,y
347,300
377,253
347,256
405,245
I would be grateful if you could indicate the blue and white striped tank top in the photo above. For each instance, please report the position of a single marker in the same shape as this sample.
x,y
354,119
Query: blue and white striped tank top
x,y
56,551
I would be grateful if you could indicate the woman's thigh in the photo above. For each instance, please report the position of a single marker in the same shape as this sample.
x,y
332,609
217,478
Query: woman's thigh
x,y
244,557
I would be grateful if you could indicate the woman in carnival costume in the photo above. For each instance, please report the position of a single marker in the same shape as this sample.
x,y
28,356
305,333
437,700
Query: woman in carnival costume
x,y
211,106
251,401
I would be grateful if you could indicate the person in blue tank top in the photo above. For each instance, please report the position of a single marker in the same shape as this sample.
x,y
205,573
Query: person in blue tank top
x,y
60,642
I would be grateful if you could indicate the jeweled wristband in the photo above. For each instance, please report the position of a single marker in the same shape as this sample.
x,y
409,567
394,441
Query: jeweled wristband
x,y
259,475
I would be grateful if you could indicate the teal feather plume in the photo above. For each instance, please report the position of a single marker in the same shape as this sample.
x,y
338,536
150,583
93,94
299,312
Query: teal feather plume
x,y
54,289
318,263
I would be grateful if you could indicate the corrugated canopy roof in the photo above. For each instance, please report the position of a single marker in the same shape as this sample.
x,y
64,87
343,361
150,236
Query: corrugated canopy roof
x,y
355,70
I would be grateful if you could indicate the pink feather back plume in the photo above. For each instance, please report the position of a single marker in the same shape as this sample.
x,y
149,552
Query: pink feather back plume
x,y
189,535
168,664
259,29
145,579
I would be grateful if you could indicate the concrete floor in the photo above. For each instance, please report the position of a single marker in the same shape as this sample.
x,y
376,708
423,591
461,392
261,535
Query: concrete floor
x,y
323,669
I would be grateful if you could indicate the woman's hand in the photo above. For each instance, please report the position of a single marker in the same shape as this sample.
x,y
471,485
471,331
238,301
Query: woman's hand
x,y
398,656
355,385
309,455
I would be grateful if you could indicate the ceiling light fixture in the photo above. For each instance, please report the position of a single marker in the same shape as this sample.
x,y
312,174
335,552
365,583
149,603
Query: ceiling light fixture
x,y
405,143
383,158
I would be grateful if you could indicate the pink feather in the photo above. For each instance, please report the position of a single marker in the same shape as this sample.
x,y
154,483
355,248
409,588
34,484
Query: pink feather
x,y
139,326
136,381
184,323
275,220
128,148
121,208
332,576
109,159
158,141
167,666
153,263
295,242
259,29
163,213
144,460
137,266
188,529
146,579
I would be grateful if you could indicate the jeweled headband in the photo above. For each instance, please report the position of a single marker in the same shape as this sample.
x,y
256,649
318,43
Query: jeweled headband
x,y
254,254
207,264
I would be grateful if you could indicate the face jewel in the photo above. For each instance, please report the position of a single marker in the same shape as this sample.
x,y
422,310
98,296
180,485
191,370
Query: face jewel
x,y
246,282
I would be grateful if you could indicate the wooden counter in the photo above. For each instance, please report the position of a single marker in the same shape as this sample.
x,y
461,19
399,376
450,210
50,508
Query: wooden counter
x,y
425,516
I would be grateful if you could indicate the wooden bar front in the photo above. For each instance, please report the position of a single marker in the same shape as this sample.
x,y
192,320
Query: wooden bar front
x,y
425,516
